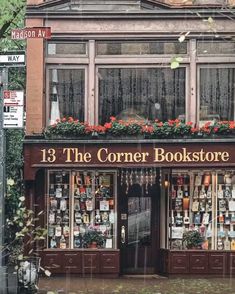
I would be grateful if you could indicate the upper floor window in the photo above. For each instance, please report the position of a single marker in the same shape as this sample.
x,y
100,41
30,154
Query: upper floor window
x,y
215,48
140,48
59,48
141,93
217,95
66,93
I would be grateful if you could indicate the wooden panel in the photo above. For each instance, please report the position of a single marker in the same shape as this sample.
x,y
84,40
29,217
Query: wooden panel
x,y
73,262
90,262
163,260
231,263
53,262
179,263
109,262
198,262
217,263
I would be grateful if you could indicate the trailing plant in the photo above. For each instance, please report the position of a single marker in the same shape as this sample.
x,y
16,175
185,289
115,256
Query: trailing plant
x,y
21,233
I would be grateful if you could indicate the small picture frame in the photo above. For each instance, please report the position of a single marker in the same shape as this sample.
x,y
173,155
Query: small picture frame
x,y
109,244
177,233
231,205
198,180
197,218
104,205
195,206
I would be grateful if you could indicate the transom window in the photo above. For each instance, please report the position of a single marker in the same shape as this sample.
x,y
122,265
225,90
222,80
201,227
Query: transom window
x,y
140,48
59,48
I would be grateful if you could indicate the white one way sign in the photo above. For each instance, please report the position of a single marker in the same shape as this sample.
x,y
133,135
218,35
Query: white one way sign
x,y
12,58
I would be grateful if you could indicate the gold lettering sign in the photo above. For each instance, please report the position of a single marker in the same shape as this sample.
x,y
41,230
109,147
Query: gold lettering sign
x,y
104,155
160,155
108,156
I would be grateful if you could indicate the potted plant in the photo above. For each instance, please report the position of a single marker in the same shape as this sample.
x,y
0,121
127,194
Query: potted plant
x,y
193,239
93,239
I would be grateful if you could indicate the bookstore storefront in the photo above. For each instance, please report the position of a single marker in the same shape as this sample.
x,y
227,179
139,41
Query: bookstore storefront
x,y
112,208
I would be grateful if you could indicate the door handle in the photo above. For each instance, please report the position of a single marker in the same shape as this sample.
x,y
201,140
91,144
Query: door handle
x,y
123,235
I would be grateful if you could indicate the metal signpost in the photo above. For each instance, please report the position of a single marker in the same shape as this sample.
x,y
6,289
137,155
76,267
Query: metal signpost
x,y
3,85
11,116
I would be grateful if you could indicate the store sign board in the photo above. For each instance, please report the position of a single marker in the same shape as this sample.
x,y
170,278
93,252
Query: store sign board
x,y
31,33
113,155
155,155
13,109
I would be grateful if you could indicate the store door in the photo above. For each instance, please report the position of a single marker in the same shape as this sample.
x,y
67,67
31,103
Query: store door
x,y
138,228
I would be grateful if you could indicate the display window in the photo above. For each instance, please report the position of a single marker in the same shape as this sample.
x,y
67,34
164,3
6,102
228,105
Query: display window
x,y
202,209
81,209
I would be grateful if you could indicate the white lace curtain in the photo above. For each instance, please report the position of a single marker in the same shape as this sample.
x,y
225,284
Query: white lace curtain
x,y
150,93
217,93
67,90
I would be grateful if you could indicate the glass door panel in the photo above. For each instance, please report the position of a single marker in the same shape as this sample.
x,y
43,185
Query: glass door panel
x,y
139,221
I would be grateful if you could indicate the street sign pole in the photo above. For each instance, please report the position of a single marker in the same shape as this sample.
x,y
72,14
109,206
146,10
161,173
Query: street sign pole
x,y
3,86
4,82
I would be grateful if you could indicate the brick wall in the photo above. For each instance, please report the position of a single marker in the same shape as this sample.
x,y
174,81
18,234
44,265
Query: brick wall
x,y
34,2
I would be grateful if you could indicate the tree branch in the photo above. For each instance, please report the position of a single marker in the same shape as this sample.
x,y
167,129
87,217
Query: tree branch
x,y
7,24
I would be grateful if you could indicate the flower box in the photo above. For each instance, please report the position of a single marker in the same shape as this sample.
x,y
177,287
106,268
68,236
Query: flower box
x,y
68,128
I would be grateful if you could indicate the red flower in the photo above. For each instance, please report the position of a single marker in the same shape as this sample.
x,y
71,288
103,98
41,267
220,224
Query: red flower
x,y
108,125
207,124
216,129
189,123
64,119
148,129
194,130
112,118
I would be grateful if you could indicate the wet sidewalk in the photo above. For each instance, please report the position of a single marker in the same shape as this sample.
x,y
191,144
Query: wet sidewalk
x,y
72,284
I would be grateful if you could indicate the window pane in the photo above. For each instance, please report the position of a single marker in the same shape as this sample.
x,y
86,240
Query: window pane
x,y
146,93
217,93
140,48
66,93
207,48
81,210
139,220
66,48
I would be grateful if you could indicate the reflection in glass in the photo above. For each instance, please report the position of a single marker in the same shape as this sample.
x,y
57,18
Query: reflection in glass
x,y
66,93
140,48
216,47
139,220
150,93
66,48
217,93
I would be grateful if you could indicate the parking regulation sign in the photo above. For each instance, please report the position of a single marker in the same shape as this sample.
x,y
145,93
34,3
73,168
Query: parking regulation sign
x,y
13,109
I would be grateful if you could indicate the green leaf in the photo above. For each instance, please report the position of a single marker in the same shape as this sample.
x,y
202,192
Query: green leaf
x,y
22,198
10,182
210,20
179,59
181,38
174,64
